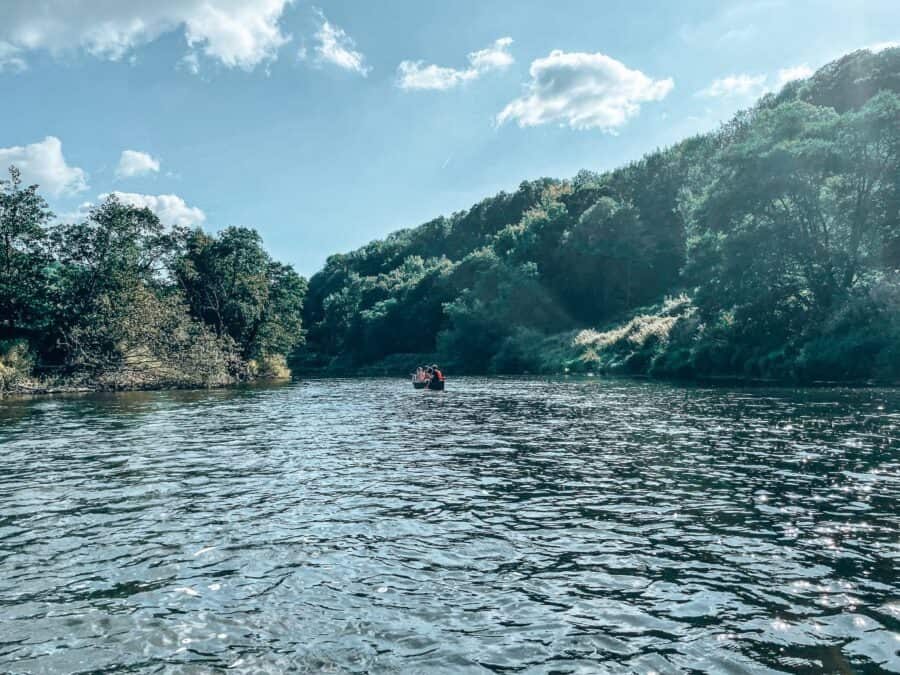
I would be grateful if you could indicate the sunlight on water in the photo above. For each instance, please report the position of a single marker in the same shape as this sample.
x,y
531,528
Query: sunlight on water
x,y
525,524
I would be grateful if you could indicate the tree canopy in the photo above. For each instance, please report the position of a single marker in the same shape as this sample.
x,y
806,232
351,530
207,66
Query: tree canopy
x,y
124,301
769,247
780,228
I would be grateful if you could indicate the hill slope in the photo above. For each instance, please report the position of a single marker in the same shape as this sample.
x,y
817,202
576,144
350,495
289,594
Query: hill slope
x,y
776,240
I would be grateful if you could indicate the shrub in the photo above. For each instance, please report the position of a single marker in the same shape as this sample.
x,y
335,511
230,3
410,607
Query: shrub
x,y
144,340
676,362
518,353
16,363
271,367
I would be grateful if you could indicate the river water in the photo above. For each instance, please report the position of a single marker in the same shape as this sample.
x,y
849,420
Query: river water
x,y
583,525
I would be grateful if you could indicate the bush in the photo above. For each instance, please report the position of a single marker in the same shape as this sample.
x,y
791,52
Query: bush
x,y
676,362
270,367
144,340
16,363
846,357
519,353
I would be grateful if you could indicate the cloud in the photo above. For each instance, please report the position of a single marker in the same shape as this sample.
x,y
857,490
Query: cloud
x,y
190,61
11,60
133,163
735,85
750,86
495,57
43,163
881,46
76,215
583,91
800,72
236,33
334,46
417,75
171,209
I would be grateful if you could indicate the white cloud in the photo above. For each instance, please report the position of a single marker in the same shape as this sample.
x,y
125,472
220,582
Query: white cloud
x,y
43,163
134,163
583,91
11,60
495,57
881,46
192,62
334,46
800,72
171,209
735,85
748,86
237,33
418,75
76,215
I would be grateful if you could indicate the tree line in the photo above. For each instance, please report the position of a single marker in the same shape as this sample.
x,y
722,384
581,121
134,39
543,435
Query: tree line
x,y
769,248
120,301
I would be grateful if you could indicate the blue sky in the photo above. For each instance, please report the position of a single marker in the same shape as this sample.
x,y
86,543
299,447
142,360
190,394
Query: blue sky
x,y
327,125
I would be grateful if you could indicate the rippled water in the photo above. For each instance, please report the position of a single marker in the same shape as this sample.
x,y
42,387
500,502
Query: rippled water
x,y
512,524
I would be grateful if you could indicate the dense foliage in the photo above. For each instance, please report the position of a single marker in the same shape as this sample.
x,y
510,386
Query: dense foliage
x,y
776,240
769,248
117,300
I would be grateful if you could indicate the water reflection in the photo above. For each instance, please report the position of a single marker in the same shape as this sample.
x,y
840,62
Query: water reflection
x,y
552,525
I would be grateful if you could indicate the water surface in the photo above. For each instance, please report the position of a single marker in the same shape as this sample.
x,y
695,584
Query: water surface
x,y
506,525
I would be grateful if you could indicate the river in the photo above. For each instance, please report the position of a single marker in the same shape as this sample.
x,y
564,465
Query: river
x,y
512,524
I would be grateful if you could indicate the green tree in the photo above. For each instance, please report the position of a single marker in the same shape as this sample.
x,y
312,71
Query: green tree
x,y
108,259
24,258
232,284
116,247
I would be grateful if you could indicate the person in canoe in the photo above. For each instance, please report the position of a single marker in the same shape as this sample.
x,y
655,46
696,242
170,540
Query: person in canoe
x,y
436,381
420,378
428,377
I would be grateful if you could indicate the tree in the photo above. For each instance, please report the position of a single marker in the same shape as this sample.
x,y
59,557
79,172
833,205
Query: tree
x,y
134,337
115,248
801,203
24,258
232,284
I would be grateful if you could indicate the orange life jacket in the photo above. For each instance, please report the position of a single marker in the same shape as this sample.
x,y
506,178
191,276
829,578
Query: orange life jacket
x,y
439,375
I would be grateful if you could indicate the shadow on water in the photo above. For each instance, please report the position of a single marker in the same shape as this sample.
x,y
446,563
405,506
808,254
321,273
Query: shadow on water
x,y
126,403
544,524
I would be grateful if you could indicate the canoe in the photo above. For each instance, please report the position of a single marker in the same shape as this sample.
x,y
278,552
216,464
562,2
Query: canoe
x,y
436,385
419,385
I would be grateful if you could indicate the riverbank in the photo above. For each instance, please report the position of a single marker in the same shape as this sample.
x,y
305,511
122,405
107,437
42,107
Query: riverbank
x,y
397,367
88,384
667,341
20,375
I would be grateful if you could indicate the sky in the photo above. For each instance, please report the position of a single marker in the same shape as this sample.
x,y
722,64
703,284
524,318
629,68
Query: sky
x,y
327,125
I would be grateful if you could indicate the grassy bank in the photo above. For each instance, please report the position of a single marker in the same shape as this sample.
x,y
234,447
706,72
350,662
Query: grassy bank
x,y
669,340
137,370
672,340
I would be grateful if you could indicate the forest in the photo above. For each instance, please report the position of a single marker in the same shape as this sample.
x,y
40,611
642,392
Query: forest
x,y
767,249
120,302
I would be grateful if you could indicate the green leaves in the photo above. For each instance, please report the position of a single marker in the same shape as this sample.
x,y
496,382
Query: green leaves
x,y
774,223
232,284
24,258
136,304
